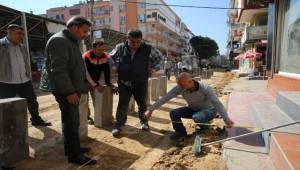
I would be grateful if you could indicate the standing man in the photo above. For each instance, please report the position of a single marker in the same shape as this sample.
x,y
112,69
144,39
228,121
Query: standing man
x,y
179,67
67,74
203,104
96,61
134,61
168,67
15,72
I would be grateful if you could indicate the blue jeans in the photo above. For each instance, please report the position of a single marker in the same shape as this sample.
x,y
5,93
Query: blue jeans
x,y
202,116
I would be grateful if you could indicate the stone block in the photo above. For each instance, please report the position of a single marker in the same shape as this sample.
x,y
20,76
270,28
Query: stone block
x,y
163,85
103,108
197,78
131,106
154,89
149,91
83,113
13,130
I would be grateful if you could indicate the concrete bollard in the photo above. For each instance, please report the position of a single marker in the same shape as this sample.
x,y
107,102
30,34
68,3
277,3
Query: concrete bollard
x,y
13,130
154,89
103,108
197,78
163,85
83,113
158,91
149,91
131,106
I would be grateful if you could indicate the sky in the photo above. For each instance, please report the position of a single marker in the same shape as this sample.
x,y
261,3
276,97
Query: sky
x,y
204,22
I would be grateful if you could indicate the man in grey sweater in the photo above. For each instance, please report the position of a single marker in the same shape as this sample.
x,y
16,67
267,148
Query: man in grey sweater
x,y
203,104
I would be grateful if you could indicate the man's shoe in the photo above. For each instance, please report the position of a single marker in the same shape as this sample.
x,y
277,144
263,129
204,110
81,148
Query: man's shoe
x,y
85,149
177,136
90,121
116,132
40,122
82,160
145,126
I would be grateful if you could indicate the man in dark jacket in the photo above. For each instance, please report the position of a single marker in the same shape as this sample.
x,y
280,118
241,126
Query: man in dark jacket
x,y
133,60
15,72
66,72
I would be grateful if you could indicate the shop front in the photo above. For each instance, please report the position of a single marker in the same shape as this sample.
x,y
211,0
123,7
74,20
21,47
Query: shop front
x,y
286,47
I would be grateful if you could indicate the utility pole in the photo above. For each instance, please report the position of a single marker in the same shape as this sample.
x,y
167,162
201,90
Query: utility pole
x,y
92,2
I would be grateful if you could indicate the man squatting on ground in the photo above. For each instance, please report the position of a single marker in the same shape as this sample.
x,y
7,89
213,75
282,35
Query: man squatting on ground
x,y
203,104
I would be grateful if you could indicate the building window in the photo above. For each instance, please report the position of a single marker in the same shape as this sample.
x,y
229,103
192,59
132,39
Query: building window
x,y
141,5
62,17
122,7
122,29
290,46
154,14
149,16
143,28
57,17
122,19
97,22
99,11
74,11
111,8
162,18
142,18
263,20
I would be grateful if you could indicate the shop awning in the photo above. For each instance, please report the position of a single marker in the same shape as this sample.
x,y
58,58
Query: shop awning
x,y
248,54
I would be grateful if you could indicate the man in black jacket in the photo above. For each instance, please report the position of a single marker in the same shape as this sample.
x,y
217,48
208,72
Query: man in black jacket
x,y
66,72
133,60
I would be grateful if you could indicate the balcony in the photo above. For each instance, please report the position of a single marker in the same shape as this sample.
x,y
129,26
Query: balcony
x,y
252,34
253,4
162,35
252,7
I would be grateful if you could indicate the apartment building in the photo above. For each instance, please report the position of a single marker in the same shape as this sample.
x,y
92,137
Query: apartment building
x,y
160,25
247,38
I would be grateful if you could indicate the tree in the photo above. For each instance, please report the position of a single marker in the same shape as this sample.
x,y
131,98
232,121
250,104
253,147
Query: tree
x,y
204,47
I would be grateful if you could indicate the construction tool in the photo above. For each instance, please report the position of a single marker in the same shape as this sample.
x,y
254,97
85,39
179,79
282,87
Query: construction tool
x,y
210,124
197,143
251,133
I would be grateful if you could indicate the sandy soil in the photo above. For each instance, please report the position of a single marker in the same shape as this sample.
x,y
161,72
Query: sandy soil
x,y
135,149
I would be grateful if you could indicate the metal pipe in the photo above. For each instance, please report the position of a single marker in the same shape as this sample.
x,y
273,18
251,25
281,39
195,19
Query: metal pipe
x,y
249,134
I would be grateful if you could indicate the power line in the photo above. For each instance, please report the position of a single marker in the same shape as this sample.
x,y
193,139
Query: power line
x,y
186,6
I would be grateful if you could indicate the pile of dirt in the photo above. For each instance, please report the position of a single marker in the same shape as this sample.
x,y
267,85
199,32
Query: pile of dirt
x,y
181,157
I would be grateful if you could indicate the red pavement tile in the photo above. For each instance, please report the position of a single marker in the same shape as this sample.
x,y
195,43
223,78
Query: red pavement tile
x,y
287,145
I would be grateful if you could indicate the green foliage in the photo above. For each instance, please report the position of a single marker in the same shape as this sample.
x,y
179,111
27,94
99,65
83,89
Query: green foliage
x,y
204,47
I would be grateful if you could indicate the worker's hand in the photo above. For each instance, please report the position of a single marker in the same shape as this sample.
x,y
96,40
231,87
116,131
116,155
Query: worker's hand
x,y
100,88
229,123
151,71
115,90
73,99
148,114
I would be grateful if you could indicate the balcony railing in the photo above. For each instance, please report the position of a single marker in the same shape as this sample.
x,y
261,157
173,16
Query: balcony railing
x,y
252,4
255,33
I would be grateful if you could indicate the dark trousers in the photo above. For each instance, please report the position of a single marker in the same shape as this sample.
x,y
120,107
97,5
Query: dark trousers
x,y
203,116
70,125
24,90
139,91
